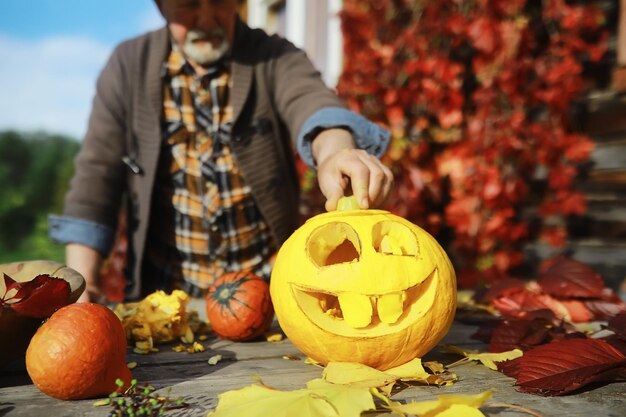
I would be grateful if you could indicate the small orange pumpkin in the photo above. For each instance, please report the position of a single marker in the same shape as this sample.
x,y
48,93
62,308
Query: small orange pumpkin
x,y
239,306
78,353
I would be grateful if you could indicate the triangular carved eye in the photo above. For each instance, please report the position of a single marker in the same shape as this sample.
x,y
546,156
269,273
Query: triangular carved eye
x,y
393,238
334,243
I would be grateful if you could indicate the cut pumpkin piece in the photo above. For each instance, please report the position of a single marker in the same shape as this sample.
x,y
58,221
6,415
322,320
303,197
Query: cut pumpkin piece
x,y
356,308
390,245
390,307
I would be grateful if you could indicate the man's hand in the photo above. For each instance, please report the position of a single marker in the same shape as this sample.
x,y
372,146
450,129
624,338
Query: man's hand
x,y
340,164
86,261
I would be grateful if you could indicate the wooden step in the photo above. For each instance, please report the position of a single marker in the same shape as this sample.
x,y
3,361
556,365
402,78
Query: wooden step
x,y
606,115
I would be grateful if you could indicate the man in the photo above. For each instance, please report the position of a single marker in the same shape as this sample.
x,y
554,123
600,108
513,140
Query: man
x,y
192,124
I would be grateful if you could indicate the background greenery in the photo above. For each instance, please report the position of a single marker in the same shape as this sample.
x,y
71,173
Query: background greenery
x,y
35,169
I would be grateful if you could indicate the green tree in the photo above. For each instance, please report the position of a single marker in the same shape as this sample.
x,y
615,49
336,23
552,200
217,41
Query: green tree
x,y
34,173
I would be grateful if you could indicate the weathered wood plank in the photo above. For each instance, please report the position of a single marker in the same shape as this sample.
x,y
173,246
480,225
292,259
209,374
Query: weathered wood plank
x,y
189,376
610,155
606,115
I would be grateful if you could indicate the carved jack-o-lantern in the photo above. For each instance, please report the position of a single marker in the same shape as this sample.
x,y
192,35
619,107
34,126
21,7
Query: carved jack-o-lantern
x,y
363,286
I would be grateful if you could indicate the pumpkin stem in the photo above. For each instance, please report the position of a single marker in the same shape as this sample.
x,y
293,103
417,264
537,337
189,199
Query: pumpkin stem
x,y
348,203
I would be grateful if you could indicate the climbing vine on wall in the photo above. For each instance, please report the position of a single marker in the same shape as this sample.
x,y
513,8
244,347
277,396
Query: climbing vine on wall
x,y
478,97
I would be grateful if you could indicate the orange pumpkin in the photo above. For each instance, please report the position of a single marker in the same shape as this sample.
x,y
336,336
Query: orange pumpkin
x,y
78,353
239,306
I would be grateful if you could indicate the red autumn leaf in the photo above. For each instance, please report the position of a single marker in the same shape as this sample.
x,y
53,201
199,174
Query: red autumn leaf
x,y
561,176
578,311
39,297
555,235
510,368
574,203
617,324
503,288
529,300
570,278
579,149
617,342
9,285
607,307
519,334
450,117
561,367
483,35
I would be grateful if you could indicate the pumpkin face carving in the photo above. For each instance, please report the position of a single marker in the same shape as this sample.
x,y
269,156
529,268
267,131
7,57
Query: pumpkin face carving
x,y
363,286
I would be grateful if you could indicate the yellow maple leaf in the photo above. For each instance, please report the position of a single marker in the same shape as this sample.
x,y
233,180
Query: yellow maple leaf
x,y
446,405
319,399
489,359
260,401
349,401
356,374
486,358
410,370
360,375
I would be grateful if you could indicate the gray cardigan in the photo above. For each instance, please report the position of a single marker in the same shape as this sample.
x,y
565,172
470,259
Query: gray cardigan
x,y
277,94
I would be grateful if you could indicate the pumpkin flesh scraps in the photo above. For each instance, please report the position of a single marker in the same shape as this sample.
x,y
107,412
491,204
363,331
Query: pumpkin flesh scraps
x,y
158,318
37,298
378,314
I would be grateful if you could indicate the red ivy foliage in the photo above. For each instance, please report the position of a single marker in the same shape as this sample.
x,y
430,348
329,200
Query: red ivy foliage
x,y
477,95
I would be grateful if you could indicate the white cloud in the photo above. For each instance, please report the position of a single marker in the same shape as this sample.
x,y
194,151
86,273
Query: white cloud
x,y
49,84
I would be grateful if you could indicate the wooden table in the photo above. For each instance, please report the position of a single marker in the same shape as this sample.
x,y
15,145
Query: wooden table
x,y
190,376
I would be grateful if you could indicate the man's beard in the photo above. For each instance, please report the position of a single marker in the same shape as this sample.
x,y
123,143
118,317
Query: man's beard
x,y
203,52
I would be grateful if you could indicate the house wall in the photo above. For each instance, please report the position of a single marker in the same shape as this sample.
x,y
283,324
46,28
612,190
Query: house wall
x,y
312,25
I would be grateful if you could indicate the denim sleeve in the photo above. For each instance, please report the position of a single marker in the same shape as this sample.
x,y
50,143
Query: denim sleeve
x,y
367,135
65,229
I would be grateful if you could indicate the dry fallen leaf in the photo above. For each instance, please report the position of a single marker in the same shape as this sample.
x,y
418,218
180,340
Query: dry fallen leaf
x,y
453,405
38,298
487,359
356,374
313,362
320,399
360,375
349,401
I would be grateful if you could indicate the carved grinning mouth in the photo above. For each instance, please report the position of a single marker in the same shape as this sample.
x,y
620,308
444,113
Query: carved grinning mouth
x,y
353,314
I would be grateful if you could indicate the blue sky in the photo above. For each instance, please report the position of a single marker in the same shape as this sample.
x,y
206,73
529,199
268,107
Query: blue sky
x,y
52,52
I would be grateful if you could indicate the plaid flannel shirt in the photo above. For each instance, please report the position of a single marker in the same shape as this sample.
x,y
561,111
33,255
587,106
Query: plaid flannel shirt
x,y
205,221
